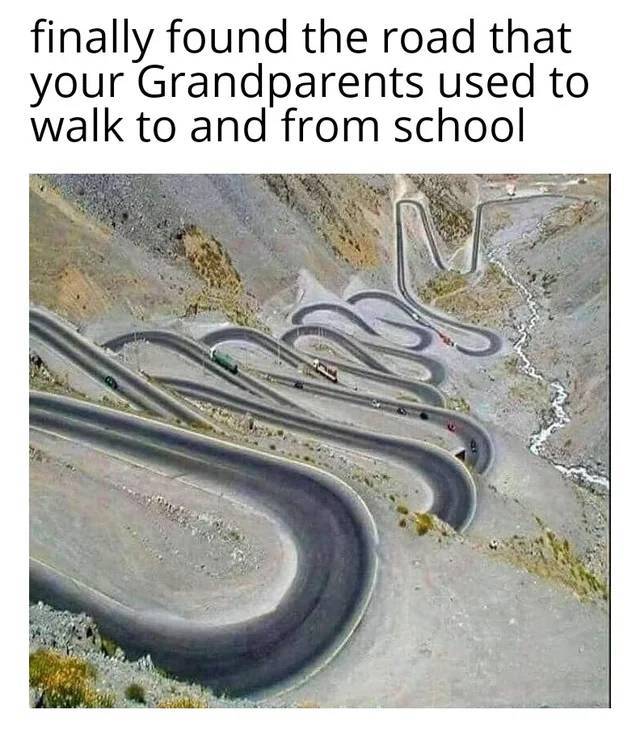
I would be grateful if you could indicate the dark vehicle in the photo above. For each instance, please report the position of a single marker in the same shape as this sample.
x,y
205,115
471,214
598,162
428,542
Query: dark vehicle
x,y
111,382
452,427
298,385
474,446
402,411
424,415
224,361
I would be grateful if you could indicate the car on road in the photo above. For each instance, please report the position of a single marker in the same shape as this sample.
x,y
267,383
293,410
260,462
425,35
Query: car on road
x,y
415,316
452,427
424,415
299,385
111,382
402,411
474,447
375,403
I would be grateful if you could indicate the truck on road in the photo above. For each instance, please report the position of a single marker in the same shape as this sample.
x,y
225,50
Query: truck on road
x,y
224,361
329,372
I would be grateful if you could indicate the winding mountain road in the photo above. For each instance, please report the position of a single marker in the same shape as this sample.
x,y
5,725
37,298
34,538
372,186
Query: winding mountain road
x,y
334,534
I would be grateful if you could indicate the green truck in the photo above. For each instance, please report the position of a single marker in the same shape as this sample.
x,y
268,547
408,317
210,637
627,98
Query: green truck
x,y
224,361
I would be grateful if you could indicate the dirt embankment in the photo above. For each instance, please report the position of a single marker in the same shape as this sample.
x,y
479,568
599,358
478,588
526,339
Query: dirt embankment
x,y
81,269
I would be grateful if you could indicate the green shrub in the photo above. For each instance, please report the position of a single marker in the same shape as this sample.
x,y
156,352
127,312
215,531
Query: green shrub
x,y
108,647
424,523
135,693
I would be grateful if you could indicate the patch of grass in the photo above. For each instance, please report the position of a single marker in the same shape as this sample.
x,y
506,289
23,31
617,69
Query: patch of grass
x,y
458,403
135,693
182,703
65,681
442,285
108,647
424,523
224,290
36,454
488,300
552,557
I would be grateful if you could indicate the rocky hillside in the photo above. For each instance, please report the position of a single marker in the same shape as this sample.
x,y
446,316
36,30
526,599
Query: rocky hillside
x,y
102,243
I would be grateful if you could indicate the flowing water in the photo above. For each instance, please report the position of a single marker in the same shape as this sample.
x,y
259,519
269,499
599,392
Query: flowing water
x,y
558,415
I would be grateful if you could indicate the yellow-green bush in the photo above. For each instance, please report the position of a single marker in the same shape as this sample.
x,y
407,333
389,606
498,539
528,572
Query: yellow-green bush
x,y
424,523
182,703
65,681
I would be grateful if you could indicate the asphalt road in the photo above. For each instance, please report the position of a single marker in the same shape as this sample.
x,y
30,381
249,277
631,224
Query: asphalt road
x,y
412,306
296,359
467,428
334,535
424,337
454,492
93,361
363,350
199,356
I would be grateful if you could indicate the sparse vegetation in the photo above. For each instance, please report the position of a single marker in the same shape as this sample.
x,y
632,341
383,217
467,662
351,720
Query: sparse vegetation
x,y
423,523
452,220
36,454
443,284
486,302
109,647
552,557
135,693
43,379
182,703
345,227
564,217
65,681
458,403
224,289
